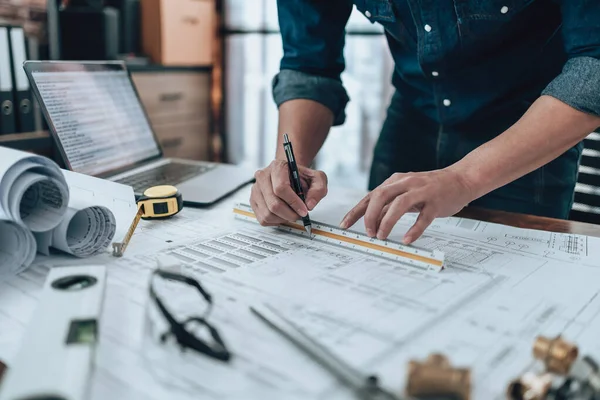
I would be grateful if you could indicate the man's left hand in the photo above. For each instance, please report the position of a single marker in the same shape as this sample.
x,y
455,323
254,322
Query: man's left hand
x,y
439,193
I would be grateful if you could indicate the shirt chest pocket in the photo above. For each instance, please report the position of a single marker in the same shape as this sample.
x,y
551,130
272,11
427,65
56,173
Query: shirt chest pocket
x,y
376,10
482,22
489,10
383,12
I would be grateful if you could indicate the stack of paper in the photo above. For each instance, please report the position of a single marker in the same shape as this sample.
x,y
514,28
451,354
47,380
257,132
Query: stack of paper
x,y
42,206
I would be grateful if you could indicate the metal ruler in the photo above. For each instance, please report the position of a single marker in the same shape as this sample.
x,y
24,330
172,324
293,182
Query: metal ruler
x,y
420,258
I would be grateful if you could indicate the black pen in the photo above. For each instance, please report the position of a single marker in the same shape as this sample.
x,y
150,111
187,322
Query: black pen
x,y
295,178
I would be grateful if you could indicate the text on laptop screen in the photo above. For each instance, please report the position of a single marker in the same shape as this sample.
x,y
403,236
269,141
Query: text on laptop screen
x,y
98,118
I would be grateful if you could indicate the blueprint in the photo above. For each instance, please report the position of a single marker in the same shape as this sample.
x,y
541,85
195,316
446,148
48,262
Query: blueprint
x,y
501,288
42,206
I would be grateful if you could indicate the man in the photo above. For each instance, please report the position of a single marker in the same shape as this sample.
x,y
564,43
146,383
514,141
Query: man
x,y
492,101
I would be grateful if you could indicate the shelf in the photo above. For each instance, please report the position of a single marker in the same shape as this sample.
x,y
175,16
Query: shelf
x,y
31,141
165,68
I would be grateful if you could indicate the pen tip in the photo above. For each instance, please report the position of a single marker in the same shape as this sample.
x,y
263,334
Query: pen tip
x,y
309,230
286,138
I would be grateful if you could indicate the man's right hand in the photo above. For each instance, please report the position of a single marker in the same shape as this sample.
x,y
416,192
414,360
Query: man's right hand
x,y
273,199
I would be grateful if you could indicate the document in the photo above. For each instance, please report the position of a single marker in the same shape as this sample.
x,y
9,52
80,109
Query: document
x,y
551,245
94,114
483,311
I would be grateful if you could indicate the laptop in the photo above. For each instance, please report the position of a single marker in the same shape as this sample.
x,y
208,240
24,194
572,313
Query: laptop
x,y
101,129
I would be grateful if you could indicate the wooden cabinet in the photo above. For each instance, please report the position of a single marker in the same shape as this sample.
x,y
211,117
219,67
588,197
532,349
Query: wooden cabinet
x,y
177,101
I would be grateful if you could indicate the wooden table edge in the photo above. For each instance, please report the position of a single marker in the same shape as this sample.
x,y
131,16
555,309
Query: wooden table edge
x,y
530,221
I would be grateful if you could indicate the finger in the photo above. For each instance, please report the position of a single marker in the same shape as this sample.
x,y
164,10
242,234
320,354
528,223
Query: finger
x,y
263,215
394,177
379,198
383,213
400,206
282,189
317,189
355,213
423,221
276,205
253,195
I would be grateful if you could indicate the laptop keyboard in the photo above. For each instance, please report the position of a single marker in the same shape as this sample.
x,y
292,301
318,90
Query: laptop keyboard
x,y
167,174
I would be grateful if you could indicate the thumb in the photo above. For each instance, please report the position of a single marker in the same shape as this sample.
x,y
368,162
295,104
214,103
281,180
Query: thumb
x,y
317,188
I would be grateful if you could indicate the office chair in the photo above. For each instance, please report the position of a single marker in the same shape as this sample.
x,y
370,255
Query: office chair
x,y
587,191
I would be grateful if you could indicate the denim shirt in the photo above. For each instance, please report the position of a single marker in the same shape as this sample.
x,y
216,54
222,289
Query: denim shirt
x,y
455,60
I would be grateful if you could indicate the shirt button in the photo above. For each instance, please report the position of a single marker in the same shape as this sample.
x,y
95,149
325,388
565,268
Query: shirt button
x,y
427,28
435,73
447,102
368,14
504,10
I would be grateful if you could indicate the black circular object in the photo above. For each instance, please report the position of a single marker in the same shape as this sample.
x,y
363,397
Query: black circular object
x,y
7,107
74,283
26,106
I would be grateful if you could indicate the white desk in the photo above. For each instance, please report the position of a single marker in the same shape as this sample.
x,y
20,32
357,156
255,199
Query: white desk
x,y
499,291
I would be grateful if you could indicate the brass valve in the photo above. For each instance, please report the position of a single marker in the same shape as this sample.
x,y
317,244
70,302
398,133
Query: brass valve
x,y
436,377
557,354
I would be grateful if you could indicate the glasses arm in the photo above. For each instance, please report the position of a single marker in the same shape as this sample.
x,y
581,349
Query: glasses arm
x,y
178,329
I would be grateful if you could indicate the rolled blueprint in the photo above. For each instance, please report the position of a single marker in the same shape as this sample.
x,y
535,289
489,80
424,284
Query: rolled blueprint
x,y
17,248
85,232
97,210
33,190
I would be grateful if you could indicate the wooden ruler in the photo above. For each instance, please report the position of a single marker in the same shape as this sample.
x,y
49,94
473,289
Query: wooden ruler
x,y
421,258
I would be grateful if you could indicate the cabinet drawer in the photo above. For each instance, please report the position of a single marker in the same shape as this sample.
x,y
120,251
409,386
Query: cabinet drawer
x,y
177,118
189,140
169,94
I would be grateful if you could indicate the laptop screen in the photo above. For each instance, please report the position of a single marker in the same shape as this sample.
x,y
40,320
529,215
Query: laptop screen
x,y
97,116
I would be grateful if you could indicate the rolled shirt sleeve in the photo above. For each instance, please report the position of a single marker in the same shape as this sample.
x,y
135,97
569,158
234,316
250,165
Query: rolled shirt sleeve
x,y
313,43
579,83
291,84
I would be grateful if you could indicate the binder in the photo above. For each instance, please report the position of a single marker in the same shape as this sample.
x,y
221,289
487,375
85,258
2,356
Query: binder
x,y
33,53
22,93
7,108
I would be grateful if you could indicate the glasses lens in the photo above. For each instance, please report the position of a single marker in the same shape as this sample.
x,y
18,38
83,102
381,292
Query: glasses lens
x,y
171,362
181,299
200,329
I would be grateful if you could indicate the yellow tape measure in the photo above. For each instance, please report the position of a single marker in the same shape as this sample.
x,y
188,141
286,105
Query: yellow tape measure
x,y
158,202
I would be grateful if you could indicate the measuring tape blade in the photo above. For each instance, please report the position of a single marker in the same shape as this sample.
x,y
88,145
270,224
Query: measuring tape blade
x,y
158,202
57,353
414,256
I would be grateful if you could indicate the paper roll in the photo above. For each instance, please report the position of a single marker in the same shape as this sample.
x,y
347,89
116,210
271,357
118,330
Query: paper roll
x,y
17,248
33,190
85,232
38,201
